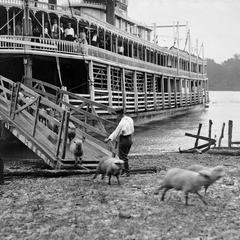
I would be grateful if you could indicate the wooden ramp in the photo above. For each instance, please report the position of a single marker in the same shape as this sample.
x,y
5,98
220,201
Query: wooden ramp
x,y
40,118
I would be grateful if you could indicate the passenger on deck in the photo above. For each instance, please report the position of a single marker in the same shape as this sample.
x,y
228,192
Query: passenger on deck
x,y
120,50
46,30
61,31
95,39
69,33
83,43
18,28
36,33
55,29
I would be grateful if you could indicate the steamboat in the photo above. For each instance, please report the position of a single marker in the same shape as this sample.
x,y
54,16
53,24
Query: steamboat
x,y
119,66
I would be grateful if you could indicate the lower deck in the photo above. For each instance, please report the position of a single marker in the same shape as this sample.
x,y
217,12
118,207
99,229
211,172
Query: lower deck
x,y
142,93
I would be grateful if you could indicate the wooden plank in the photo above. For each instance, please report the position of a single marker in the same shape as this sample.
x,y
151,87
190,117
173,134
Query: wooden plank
x,y
65,134
221,136
200,137
198,133
60,133
36,116
210,130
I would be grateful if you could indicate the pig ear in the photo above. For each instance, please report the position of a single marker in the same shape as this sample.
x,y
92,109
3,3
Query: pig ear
x,y
205,173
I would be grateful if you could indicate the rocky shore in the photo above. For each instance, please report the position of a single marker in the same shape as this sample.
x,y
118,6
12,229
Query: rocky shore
x,y
76,207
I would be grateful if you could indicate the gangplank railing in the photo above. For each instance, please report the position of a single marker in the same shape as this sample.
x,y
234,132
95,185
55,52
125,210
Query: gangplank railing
x,y
43,125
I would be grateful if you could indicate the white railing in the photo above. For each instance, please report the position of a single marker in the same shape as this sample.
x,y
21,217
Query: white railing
x,y
68,47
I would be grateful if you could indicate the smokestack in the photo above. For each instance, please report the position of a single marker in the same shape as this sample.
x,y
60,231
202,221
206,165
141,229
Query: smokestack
x,y
110,11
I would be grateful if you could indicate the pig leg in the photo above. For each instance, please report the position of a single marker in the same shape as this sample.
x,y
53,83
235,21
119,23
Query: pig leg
x,y
109,180
156,192
164,192
206,188
118,180
201,197
186,198
95,175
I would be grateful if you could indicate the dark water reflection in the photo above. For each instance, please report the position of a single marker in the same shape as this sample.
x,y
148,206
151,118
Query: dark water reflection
x,y
169,134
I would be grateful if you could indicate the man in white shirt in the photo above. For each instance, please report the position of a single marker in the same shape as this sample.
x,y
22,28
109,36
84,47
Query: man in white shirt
x,y
124,131
69,33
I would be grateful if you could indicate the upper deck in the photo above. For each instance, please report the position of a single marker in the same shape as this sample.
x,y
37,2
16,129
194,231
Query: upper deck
x,y
136,52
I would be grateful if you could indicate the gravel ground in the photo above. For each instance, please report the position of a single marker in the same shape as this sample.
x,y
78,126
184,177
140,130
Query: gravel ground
x,y
75,207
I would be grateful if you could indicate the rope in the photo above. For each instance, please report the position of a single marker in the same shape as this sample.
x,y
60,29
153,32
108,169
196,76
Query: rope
x,y
10,20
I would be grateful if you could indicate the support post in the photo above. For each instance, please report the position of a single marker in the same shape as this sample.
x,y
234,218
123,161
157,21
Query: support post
x,y
163,93
91,81
145,91
135,90
109,86
169,92
181,94
175,92
154,92
222,135
210,132
123,90
27,61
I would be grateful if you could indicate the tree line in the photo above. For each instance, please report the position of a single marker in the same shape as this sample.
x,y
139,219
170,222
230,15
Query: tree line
x,y
224,76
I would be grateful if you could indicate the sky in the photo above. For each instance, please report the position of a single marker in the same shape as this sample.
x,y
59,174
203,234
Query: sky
x,y
215,23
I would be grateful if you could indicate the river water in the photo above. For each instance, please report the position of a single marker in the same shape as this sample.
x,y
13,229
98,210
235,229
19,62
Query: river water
x,y
169,134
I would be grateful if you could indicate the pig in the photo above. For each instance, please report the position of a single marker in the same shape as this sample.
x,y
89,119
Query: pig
x,y
185,180
76,148
111,166
71,131
216,173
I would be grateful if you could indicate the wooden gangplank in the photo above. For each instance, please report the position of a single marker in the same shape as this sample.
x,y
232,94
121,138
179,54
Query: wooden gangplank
x,y
30,115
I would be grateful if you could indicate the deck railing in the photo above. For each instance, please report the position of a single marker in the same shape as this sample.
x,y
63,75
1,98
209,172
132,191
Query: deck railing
x,y
74,48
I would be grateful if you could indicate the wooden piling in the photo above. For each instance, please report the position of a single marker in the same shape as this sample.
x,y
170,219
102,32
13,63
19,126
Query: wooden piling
x,y
198,133
210,132
230,126
221,136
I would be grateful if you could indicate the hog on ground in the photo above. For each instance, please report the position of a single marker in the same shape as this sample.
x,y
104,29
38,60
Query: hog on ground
x,y
76,148
111,167
185,180
215,173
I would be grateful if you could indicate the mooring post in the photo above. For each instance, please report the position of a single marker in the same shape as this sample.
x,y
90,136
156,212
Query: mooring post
x,y
222,135
210,132
198,133
230,126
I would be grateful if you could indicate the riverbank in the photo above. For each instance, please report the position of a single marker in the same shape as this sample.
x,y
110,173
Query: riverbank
x,y
76,207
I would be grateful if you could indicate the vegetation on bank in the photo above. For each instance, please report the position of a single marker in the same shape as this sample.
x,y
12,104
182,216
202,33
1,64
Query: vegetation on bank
x,y
79,208
225,76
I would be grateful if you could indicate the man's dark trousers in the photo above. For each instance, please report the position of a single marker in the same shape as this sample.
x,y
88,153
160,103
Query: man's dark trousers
x,y
125,143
